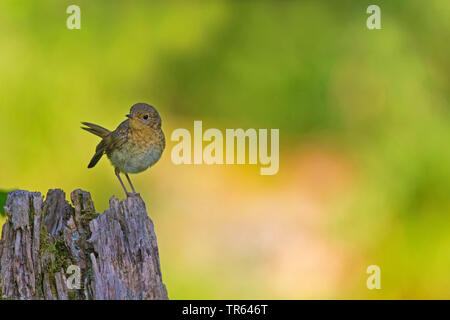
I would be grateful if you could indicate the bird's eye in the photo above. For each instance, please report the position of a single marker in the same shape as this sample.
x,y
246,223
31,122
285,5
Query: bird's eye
x,y
146,117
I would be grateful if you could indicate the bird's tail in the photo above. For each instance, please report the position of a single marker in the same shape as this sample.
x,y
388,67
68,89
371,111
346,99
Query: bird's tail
x,y
95,129
100,150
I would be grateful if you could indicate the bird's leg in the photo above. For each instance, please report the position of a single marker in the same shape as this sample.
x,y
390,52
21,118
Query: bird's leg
x,y
129,181
117,171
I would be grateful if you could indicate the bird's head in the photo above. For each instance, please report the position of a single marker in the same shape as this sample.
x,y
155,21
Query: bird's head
x,y
143,116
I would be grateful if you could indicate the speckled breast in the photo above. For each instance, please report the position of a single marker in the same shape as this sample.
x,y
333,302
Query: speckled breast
x,y
137,156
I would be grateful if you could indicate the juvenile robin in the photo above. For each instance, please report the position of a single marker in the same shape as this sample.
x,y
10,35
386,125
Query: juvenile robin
x,y
134,146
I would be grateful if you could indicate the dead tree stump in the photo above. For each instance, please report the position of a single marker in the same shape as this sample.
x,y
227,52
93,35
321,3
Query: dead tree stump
x,y
53,250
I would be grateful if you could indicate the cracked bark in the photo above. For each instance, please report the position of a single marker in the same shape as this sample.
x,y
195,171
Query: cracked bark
x,y
116,252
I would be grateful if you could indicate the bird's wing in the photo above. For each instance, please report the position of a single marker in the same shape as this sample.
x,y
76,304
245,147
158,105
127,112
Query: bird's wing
x,y
117,138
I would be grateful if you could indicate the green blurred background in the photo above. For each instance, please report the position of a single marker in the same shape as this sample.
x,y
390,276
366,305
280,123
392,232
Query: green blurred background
x,y
364,130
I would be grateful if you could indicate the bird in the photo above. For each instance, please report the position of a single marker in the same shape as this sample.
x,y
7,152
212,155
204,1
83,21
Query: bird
x,y
135,145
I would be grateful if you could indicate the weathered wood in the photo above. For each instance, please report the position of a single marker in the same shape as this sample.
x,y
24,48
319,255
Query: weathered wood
x,y
116,251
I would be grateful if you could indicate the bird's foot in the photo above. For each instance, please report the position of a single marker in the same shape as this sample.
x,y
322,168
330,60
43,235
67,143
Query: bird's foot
x,y
133,194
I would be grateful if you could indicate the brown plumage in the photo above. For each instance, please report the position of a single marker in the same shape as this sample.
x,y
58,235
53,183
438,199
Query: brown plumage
x,y
134,146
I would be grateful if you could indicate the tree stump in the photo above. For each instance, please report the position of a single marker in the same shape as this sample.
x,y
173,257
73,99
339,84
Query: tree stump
x,y
53,250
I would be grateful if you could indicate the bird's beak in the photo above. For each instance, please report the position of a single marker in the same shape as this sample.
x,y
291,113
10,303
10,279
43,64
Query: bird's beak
x,y
129,116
